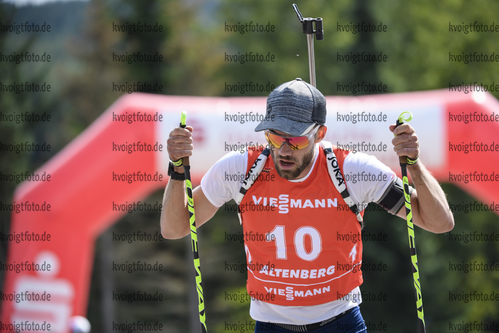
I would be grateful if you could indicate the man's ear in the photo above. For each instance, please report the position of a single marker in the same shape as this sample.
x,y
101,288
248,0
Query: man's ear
x,y
321,133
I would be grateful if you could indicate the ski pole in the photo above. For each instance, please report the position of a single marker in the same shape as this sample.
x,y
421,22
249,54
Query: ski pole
x,y
308,28
410,232
194,234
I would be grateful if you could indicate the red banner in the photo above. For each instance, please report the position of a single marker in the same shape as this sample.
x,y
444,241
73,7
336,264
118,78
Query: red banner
x,y
122,158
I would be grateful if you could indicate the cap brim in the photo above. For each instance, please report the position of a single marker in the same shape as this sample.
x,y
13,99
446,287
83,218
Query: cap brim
x,y
290,127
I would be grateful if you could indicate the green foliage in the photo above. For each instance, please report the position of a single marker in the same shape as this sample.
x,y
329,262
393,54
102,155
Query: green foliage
x,y
14,104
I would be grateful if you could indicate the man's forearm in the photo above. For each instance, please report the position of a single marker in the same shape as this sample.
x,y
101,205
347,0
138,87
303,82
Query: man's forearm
x,y
433,212
174,214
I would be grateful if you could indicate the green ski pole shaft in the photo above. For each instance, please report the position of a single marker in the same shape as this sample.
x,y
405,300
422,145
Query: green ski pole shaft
x,y
194,235
410,232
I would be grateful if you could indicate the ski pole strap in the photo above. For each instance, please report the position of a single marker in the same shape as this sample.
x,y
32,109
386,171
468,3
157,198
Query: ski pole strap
x,y
177,163
411,161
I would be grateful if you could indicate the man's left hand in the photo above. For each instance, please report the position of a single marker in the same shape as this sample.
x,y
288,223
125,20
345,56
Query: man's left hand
x,y
405,142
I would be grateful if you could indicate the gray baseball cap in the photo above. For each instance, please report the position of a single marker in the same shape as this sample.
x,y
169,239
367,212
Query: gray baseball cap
x,y
293,108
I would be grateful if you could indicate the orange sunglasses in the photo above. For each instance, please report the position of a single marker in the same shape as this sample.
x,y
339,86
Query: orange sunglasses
x,y
294,142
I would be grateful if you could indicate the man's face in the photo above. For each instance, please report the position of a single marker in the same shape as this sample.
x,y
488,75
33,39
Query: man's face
x,y
292,164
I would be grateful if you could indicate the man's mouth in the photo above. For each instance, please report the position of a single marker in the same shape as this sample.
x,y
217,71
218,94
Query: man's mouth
x,y
286,164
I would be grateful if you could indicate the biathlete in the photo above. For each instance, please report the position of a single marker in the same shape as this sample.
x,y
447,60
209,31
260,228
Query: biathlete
x,y
305,274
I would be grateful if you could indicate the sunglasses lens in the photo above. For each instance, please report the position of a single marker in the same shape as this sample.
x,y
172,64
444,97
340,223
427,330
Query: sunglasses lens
x,y
295,143
274,140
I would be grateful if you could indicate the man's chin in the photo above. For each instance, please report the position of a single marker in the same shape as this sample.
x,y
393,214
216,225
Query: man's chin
x,y
289,174
296,170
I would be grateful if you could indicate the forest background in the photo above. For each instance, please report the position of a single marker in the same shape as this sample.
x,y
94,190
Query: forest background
x,y
418,42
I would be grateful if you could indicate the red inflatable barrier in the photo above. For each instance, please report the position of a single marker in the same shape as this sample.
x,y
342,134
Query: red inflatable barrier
x,y
122,158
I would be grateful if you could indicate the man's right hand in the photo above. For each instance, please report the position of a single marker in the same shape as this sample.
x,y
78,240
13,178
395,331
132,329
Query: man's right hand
x,y
179,144
174,219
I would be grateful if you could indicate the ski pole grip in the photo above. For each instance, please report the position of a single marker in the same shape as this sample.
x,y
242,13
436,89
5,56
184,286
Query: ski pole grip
x,y
183,116
400,121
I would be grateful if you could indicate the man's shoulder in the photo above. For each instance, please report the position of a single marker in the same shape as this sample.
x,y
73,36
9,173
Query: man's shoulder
x,y
234,161
340,153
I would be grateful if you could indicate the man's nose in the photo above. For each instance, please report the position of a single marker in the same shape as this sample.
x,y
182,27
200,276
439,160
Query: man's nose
x,y
285,149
